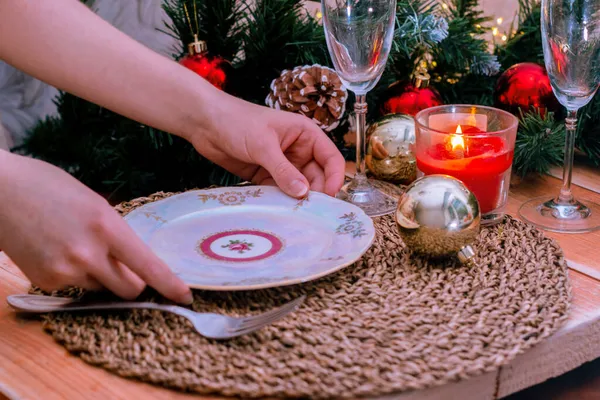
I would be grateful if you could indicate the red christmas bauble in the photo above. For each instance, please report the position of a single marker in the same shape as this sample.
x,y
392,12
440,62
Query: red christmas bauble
x,y
212,68
524,87
405,98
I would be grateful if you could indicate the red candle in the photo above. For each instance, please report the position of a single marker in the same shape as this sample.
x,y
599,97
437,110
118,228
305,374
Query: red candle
x,y
480,162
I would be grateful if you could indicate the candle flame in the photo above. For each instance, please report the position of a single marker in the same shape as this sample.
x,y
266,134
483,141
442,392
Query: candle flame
x,y
457,141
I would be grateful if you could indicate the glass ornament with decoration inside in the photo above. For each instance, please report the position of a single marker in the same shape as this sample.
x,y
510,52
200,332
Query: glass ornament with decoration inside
x,y
213,68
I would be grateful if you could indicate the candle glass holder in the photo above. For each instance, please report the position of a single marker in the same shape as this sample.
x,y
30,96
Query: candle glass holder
x,y
472,143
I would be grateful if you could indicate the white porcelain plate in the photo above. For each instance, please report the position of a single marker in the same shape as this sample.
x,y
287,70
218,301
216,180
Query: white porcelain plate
x,y
252,237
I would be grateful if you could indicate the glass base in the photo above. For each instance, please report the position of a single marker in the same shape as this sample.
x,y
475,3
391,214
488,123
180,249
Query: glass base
x,y
371,200
493,217
573,217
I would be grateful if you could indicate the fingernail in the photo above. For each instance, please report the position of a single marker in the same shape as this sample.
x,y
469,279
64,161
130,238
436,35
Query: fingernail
x,y
298,188
188,299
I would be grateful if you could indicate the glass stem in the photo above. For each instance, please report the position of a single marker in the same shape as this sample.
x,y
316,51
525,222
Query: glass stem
x,y
360,109
571,127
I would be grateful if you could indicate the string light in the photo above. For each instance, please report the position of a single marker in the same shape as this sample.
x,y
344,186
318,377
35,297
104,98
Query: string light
x,y
496,31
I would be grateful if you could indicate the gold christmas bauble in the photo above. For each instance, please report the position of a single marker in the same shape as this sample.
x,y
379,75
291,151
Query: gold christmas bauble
x,y
389,153
438,217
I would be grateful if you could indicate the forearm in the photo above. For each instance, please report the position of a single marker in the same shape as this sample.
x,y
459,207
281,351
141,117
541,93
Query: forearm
x,y
66,45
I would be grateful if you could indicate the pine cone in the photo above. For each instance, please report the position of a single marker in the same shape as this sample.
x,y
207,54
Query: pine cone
x,y
312,90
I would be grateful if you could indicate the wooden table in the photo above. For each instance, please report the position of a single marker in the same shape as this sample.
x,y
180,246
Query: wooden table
x,y
33,366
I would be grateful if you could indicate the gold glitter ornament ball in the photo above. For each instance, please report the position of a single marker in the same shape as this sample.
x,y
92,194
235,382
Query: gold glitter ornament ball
x,y
439,217
389,155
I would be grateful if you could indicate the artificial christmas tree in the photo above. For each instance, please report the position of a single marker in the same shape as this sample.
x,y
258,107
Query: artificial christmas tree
x,y
261,39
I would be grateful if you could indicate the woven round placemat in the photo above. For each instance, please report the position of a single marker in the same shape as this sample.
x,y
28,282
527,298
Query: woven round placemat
x,y
389,323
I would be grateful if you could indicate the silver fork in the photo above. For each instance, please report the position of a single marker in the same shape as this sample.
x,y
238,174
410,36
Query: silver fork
x,y
214,326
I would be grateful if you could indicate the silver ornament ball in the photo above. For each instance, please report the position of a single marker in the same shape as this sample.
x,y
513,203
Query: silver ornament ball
x,y
389,153
439,217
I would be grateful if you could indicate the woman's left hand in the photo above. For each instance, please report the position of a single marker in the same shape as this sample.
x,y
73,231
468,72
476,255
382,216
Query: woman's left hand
x,y
268,146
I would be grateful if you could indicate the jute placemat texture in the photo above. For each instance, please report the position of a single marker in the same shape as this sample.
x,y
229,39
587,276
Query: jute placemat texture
x,y
389,323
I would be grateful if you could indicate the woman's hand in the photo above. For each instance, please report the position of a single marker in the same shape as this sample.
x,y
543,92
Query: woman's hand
x,y
267,146
60,233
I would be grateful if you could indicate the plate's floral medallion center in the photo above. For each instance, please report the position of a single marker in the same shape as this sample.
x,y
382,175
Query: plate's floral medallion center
x,y
240,245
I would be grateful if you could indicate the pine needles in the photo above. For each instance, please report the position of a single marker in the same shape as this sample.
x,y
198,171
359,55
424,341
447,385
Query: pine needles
x,y
278,35
223,37
540,143
115,155
524,43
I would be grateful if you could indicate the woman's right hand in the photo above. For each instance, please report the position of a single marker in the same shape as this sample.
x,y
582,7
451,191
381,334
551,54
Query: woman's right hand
x,y
60,233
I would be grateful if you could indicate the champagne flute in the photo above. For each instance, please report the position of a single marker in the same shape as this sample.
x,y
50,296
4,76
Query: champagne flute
x,y
359,37
571,40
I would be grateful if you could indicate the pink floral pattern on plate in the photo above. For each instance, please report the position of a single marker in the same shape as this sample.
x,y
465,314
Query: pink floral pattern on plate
x,y
240,245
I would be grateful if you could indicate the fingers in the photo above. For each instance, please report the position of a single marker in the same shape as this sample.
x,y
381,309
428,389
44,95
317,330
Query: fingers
x,y
287,177
88,282
315,175
263,177
119,279
332,162
130,250
312,171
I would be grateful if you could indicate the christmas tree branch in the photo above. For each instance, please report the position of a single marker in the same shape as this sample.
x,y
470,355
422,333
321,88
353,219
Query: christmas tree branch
x,y
217,22
418,30
279,35
540,143
524,44
115,155
464,49
588,130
